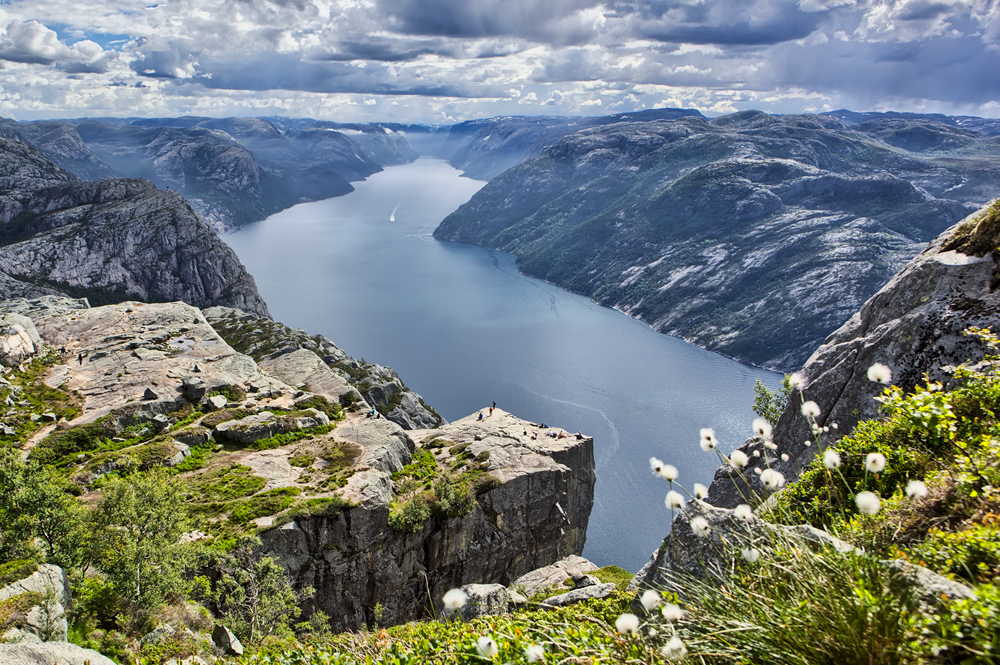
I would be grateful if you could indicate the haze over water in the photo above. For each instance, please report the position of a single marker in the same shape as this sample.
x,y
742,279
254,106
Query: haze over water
x,y
462,327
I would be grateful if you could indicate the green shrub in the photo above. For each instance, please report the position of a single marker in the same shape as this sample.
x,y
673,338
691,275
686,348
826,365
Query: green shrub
x,y
972,554
452,498
409,516
422,467
13,571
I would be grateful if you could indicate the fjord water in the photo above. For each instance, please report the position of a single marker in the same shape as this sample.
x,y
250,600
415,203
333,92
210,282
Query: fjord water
x,y
463,328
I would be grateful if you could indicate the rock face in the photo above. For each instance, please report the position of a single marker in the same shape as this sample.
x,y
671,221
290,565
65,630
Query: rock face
x,y
749,234
46,622
52,653
536,514
109,240
914,325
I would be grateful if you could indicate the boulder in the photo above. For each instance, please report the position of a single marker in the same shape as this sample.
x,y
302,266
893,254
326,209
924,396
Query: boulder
x,y
225,640
552,575
182,452
15,346
217,401
929,589
578,595
195,388
484,600
47,620
50,653
253,428
149,395
158,634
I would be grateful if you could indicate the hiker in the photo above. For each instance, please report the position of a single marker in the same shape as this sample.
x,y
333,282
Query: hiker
x,y
480,416
491,409
79,358
494,404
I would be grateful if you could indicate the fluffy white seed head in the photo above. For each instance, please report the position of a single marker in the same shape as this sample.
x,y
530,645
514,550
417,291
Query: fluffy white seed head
x,y
650,600
879,373
700,526
762,428
757,470
750,554
487,647
807,443
867,502
627,624
535,653
744,512
770,445
784,457
810,409
874,462
668,472
833,425
831,458
674,500
738,459
798,381
674,648
655,464
916,489
700,491
454,600
708,440
756,453
671,612
772,479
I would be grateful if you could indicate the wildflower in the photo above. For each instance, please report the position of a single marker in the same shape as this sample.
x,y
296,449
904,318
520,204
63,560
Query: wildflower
x,y
879,373
750,554
674,648
756,453
674,500
744,512
762,428
784,457
454,600
655,464
668,472
627,624
807,443
916,489
651,600
738,459
810,409
700,491
535,653
868,503
874,462
833,425
708,440
487,647
671,612
700,526
770,445
757,470
798,381
831,458
772,479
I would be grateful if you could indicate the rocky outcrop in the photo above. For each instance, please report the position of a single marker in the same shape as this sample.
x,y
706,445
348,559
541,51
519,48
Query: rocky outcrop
x,y
751,235
46,620
52,653
533,513
915,325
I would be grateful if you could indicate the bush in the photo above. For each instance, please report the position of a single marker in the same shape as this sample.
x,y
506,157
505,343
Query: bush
x,y
452,498
410,516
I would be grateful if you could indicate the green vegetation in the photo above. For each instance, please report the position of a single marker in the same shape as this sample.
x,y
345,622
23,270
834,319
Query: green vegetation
x,y
286,438
769,404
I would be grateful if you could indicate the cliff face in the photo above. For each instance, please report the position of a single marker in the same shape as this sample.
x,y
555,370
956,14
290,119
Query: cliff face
x,y
915,325
751,235
109,240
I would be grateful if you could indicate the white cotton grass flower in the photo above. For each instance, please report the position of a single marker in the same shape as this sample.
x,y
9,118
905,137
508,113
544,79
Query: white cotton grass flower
x,y
668,472
650,600
772,479
535,653
700,526
738,459
700,492
744,512
708,440
627,624
784,457
810,409
674,648
756,453
868,503
750,554
671,612
762,428
674,500
916,489
757,470
487,647
770,445
831,459
798,381
879,373
807,443
874,462
454,600
655,464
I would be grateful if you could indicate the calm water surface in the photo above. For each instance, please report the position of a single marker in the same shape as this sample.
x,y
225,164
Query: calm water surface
x,y
463,328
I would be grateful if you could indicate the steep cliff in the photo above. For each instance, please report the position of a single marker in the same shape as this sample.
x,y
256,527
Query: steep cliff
x,y
109,240
750,234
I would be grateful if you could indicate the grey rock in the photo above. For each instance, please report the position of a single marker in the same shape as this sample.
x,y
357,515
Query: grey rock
x,y
49,417
225,640
578,595
195,388
50,653
182,452
552,575
217,401
158,634
47,622
582,581
484,600
928,588
160,421
15,345
193,436
252,428
150,395
516,598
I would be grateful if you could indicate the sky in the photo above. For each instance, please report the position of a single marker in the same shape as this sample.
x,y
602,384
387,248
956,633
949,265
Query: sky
x,y
445,61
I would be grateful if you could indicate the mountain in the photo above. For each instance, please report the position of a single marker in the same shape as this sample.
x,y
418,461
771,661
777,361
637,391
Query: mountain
x,y
232,170
109,240
753,235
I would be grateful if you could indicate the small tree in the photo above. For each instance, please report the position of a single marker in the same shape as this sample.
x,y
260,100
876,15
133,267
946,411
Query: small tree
x,y
769,404
254,595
